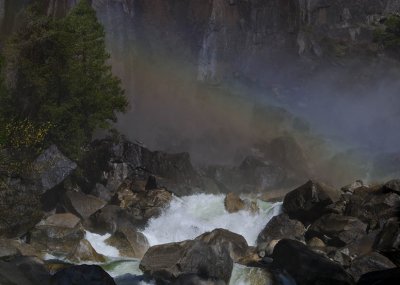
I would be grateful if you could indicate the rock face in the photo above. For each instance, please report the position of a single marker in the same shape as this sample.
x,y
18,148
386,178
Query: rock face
x,y
59,234
169,261
51,168
337,230
82,275
280,227
306,266
308,202
388,240
220,238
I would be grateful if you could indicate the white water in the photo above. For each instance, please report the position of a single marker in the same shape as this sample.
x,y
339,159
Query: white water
x,y
190,216
99,244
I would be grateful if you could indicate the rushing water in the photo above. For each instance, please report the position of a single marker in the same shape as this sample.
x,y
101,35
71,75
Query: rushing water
x,y
188,217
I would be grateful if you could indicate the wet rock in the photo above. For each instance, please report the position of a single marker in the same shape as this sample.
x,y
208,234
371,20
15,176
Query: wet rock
x,y
316,242
129,242
108,219
24,271
235,244
306,266
151,183
85,252
279,227
82,275
382,277
8,250
308,202
373,206
337,230
81,204
58,234
370,262
51,168
233,203
168,261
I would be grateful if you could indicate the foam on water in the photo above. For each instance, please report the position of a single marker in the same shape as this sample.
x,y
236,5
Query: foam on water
x,y
190,216
99,244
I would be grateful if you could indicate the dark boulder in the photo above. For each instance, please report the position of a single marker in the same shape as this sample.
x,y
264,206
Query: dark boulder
x,y
306,266
392,186
279,227
308,202
235,244
337,230
82,275
382,277
169,261
368,263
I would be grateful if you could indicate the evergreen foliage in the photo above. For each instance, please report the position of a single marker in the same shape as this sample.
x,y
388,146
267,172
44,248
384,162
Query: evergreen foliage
x,y
56,74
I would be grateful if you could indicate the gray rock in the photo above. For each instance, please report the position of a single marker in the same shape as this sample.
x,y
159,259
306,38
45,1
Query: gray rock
x,y
129,242
24,271
51,168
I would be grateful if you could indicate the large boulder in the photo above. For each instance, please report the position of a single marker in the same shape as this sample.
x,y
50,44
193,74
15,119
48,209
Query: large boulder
x,y
279,227
51,168
306,266
129,242
81,204
235,244
337,230
308,202
382,277
58,234
373,205
233,203
82,275
169,261
368,263
24,271
392,186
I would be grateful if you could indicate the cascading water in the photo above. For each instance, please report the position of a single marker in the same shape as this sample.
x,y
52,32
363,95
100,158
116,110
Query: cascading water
x,y
188,217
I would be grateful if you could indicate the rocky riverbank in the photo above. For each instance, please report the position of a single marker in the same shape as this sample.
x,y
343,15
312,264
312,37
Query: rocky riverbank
x,y
322,235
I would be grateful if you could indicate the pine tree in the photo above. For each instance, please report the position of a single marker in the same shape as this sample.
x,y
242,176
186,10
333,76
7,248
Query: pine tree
x,y
56,72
